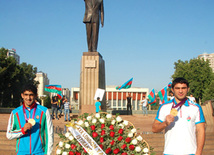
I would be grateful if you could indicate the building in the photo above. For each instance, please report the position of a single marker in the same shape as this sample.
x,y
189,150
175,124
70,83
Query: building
x,y
209,57
115,99
43,80
12,53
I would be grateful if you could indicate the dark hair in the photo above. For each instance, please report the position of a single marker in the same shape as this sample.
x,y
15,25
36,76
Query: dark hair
x,y
29,87
180,80
98,98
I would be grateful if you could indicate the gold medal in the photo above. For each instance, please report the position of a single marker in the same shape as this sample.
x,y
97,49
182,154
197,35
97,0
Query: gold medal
x,y
174,112
32,121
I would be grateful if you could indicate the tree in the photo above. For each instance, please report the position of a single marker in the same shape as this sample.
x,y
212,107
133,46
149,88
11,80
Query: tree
x,y
209,92
13,76
198,72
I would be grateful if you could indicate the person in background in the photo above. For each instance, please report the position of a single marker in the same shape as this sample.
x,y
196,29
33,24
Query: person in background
x,y
183,122
54,103
30,124
191,98
129,105
171,95
67,107
98,105
144,106
62,104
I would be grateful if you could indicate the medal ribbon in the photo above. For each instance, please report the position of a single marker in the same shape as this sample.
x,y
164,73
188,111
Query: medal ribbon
x,y
34,111
179,104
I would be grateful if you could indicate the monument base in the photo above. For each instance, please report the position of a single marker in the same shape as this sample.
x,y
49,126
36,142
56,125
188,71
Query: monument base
x,y
92,76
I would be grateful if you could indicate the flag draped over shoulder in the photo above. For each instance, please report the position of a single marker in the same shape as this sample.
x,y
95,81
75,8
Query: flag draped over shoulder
x,y
126,85
163,95
53,88
152,97
170,85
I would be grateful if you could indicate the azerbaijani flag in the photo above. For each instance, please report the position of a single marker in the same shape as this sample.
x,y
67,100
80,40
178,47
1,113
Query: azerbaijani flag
x,y
151,97
126,85
53,88
163,95
170,85
59,96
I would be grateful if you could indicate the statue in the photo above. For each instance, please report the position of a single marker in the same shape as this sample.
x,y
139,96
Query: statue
x,y
94,11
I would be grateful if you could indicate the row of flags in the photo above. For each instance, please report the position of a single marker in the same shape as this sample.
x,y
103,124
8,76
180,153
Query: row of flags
x,y
162,93
54,89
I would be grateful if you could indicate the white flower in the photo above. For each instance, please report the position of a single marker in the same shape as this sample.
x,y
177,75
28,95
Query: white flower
x,y
58,151
113,122
61,144
119,119
65,153
125,122
133,130
138,149
86,124
109,116
121,125
102,120
130,134
134,141
89,118
70,137
80,122
97,115
94,120
145,154
139,138
67,134
145,150
67,146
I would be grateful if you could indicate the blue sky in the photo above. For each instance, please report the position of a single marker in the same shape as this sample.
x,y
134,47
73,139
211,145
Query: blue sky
x,y
140,38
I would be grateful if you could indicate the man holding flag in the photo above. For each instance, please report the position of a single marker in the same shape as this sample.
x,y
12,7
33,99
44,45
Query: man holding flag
x,y
183,122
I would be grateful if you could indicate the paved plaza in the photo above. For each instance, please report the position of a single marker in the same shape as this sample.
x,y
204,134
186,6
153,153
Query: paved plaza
x,y
143,124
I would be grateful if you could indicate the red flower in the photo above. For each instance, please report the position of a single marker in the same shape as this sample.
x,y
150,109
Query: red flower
x,y
112,142
77,153
120,138
102,126
73,146
123,146
128,139
101,139
108,150
131,147
124,153
120,131
112,134
103,132
101,146
93,127
116,151
71,153
111,127
94,134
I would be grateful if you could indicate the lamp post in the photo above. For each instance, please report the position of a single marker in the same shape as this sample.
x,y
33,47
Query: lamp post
x,y
42,97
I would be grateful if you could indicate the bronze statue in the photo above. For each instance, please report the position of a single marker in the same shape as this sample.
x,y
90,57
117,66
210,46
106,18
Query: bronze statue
x,y
94,11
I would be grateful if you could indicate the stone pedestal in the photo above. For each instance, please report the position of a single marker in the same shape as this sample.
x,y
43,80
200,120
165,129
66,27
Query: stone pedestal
x,y
92,76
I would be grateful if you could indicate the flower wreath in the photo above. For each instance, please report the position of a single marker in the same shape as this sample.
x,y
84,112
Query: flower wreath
x,y
113,135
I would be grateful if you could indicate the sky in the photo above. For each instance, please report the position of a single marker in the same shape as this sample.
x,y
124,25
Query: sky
x,y
140,38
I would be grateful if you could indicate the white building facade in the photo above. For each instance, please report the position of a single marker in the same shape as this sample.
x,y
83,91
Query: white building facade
x,y
43,80
12,53
209,57
116,99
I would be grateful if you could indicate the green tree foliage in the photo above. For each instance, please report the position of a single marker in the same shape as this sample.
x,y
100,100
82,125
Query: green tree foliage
x,y
209,92
197,72
13,76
